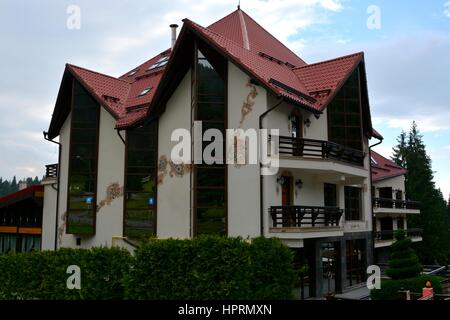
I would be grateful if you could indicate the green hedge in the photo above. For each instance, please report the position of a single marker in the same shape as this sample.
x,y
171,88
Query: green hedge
x,y
42,275
390,288
211,268
202,268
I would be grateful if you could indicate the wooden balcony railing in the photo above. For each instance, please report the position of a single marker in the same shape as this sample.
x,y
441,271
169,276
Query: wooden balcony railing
x,y
305,216
319,149
395,204
51,170
390,234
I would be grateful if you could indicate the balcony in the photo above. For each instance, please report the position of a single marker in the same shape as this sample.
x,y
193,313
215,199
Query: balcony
x,y
319,149
305,216
389,235
51,171
385,203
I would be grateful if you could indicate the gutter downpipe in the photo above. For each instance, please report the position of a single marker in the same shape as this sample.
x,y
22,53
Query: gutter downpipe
x,y
261,178
374,226
57,181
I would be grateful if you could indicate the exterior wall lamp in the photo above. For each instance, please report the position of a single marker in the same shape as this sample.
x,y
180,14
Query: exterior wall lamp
x,y
299,183
281,180
307,123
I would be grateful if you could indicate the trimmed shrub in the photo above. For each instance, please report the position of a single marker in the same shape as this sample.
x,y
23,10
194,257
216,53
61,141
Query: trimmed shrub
x,y
390,288
42,275
202,268
211,268
403,263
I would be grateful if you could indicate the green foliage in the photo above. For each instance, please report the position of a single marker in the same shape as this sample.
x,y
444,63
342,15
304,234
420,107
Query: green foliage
x,y
390,288
211,268
411,154
7,187
403,263
42,274
202,268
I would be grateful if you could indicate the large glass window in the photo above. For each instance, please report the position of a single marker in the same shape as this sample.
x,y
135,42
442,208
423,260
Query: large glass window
x,y
344,121
353,203
83,163
356,261
210,195
140,204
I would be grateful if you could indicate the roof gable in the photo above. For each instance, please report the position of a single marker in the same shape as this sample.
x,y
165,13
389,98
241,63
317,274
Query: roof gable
x,y
383,168
239,27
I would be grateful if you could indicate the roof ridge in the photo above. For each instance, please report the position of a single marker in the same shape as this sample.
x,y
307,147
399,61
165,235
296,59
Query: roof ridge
x,y
217,34
96,72
276,39
330,60
223,18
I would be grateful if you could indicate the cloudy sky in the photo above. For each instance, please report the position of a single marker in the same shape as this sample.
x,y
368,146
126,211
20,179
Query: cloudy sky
x,y
407,59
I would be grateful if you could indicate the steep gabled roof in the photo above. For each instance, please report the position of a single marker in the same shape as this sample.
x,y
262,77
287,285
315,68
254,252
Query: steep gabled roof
x,y
323,79
279,77
241,40
239,27
383,168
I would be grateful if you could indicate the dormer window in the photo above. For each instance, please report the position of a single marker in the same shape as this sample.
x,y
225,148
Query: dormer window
x,y
160,63
145,91
132,73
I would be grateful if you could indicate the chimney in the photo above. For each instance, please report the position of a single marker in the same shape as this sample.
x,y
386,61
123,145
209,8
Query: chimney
x,y
22,185
174,34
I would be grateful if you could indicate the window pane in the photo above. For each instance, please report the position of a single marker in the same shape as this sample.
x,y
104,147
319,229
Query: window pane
x,y
140,200
211,221
210,177
210,180
139,223
80,222
141,181
211,197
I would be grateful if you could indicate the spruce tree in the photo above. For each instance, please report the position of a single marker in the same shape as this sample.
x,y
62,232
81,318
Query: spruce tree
x,y
403,263
411,154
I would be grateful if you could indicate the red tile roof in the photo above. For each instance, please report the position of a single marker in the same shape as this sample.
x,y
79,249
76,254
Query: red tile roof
x,y
247,44
324,78
383,168
21,195
247,33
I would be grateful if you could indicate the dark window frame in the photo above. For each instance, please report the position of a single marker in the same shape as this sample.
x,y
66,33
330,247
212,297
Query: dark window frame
x,y
350,200
347,140
95,158
152,172
216,62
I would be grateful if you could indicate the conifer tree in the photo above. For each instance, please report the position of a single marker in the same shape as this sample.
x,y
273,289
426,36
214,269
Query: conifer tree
x,y
411,154
403,263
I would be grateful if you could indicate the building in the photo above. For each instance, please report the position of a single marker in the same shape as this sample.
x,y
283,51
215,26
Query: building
x,y
116,178
21,220
391,206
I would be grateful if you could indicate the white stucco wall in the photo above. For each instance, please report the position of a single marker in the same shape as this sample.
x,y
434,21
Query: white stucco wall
x,y
279,119
64,139
395,182
243,181
111,163
49,214
173,202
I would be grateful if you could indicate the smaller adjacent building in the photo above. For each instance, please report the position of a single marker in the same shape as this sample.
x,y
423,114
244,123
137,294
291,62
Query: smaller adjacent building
x,y
21,220
391,205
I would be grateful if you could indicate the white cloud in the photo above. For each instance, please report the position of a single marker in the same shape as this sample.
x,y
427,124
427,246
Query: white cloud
x,y
447,9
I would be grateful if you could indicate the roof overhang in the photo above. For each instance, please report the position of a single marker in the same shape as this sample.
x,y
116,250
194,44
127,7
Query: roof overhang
x,y
179,64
